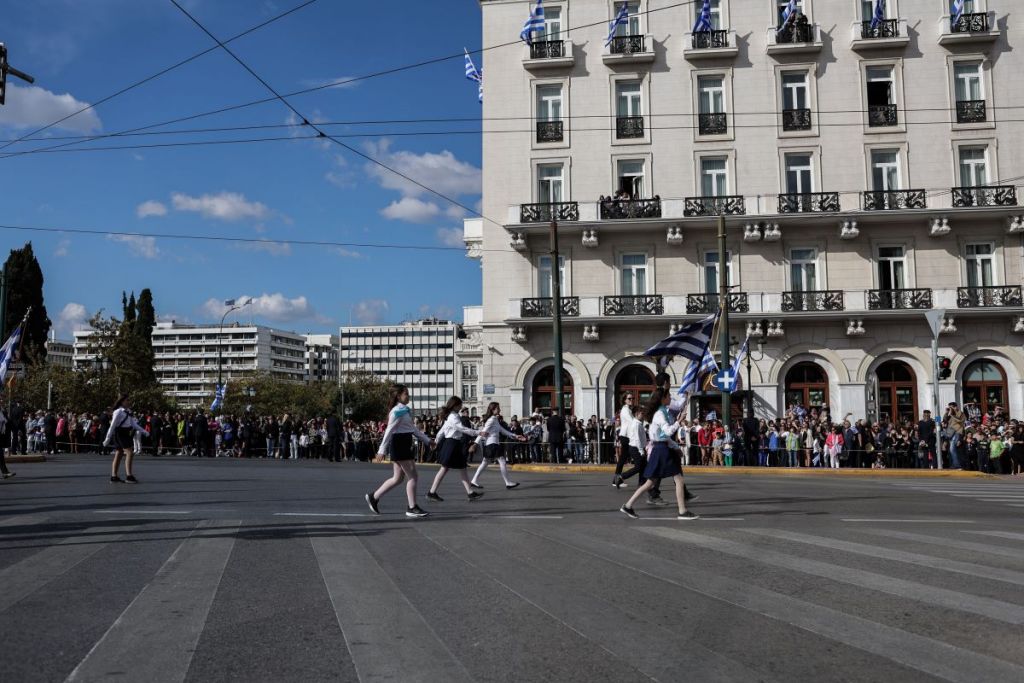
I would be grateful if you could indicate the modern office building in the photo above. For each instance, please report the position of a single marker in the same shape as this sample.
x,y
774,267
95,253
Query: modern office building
x,y
867,171
321,358
59,352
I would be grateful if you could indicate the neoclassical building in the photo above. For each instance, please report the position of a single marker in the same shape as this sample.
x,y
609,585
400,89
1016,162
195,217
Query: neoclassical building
x,y
867,172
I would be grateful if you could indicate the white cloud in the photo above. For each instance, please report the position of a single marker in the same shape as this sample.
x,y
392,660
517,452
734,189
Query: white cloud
x,y
268,246
440,171
225,206
450,237
345,253
150,208
370,311
336,83
274,307
139,245
62,248
72,317
32,107
412,210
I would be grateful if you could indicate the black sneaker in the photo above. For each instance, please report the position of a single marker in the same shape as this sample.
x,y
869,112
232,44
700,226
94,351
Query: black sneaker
x,y
372,502
688,516
131,479
475,485
629,512
116,480
511,486
690,496
416,511
434,497
617,482
8,475
656,501
475,495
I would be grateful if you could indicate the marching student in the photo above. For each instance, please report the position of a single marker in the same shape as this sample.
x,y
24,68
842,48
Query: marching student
x,y
492,446
121,433
622,445
397,442
636,446
452,457
676,406
665,460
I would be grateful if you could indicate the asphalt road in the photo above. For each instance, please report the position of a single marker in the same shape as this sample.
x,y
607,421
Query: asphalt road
x,y
276,571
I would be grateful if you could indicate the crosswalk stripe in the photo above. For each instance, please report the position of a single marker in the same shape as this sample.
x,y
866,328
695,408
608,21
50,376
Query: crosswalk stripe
x,y
374,614
932,595
156,635
23,520
914,651
999,534
947,542
29,575
969,568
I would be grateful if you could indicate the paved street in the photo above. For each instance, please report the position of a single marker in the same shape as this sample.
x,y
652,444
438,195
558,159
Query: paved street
x,y
275,571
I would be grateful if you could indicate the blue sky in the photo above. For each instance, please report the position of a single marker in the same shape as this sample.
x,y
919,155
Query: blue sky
x,y
307,190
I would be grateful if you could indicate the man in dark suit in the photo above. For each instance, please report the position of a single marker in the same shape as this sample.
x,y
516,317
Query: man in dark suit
x,y
926,435
16,428
333,438
50,433
556,435
751,437
201,433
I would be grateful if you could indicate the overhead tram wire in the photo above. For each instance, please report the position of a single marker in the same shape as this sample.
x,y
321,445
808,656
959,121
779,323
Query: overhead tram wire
x,y
158,74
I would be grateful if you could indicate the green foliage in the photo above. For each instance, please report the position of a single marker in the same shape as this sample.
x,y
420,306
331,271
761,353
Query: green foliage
x,y
25,289
365,397
145,316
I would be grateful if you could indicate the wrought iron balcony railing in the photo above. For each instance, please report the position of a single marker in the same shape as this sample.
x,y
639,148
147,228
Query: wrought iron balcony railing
x,y
709,303
650,304
794,33
547,49
899,299
888,28
728,205
629,127
880,115
993,195
971,111
989,297
543,308
895,199
616,209
703,40
627,45
971,23
810,202
824,300
549,131
796,119
545,213
712,124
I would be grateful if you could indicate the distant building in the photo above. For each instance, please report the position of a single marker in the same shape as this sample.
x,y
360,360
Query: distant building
x,y
59,352
322,358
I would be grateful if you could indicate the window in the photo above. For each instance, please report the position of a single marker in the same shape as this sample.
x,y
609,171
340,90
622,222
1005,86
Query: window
x,y
628,99
468,371
634,274
799,174
980,265
552,24
631,178
469,392
881,96
803,269
711,94
544,281
794,91
885,170
549,183
714,177
711,271
716,13
632,27
780,9
867,9
891,268
973,167
968,82
549,102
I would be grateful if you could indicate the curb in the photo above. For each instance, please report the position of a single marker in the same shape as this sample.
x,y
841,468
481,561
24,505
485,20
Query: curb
x,y
772,471
16,459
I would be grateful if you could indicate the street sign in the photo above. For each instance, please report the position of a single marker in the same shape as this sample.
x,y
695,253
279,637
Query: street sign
x,y
935,318
489,389
726,380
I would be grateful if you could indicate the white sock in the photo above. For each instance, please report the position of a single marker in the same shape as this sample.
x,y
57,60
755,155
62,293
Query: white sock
x,y
503,464
479,470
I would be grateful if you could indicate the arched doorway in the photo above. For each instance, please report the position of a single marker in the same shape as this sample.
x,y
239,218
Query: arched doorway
x,y
897,391
544,391
635,380
807,386
985,386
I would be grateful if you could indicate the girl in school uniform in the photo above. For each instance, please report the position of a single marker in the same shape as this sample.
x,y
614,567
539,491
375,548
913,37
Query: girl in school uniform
x,y
492,446
397,442
665,460
452,457
636,446
121,433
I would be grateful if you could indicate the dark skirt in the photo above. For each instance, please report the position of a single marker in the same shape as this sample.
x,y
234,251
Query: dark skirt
x,y
123,438
494,451
452,454
401,448
663,463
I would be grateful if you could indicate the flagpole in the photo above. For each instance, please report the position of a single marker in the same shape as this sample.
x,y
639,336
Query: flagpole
x,y
723,330
556,314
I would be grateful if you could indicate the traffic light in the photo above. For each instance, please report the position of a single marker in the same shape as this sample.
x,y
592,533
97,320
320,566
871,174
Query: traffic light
x,y
945,367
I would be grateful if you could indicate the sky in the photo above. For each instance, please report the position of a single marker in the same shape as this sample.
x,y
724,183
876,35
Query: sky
x,y
314,190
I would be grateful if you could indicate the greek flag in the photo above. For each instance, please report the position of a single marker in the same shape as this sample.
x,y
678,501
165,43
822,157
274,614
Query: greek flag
x,y
703,22
698,370
689,342
621,19
474,74
958,11
737,364
218,397
534,24
8,351
789,14
879,16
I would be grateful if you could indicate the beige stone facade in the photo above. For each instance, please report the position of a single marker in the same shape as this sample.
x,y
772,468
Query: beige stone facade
x,y
838,153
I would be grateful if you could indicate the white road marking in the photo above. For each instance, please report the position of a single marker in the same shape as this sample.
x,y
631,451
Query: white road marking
x,y
999,534
525,516
323,514
909,521
143,512
949,543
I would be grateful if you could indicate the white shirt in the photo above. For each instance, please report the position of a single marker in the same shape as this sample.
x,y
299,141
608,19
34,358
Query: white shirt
x,y
491,433
663,428
637,435
625,421
400,422
121,418
453,429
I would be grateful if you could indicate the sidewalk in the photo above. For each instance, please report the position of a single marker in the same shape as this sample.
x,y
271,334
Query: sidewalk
x,y
773,471
15,459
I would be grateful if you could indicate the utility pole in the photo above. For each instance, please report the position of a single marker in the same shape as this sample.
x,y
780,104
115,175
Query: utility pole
x,y
3,304
556,313
723,329
5,69
935,319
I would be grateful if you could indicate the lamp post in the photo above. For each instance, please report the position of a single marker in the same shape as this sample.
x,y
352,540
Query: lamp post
x,y
230,303
761,341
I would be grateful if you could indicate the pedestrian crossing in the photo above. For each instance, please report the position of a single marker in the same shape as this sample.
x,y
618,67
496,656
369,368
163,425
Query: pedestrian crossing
x,y
601,599
1008,493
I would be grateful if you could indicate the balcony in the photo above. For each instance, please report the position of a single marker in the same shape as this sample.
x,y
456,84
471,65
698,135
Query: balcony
x,y
543,308
977,27
713,124
825,300
811,202
892,200
993,195
883,115
794,39
899,299
552,211
796,119
729,205
619,209
619,306
891,33
971,111
628,50
629,127
710,45
549,54
989,297
698,304
549,131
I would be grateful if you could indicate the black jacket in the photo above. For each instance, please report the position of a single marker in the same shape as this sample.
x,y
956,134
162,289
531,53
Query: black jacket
x,y
333,427
556,429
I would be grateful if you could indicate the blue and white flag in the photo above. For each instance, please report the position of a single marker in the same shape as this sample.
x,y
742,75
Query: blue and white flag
x,y
738,363
879,16
218,397
534,24
958,11
703,22
789,14
8,351
474,74
690,342
697,371
621,19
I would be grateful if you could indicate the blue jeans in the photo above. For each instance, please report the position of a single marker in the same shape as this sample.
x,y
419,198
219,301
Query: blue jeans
x,y
954,451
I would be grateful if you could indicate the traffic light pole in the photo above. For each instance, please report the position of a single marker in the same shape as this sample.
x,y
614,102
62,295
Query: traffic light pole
x,y
556,316
936,415
723,323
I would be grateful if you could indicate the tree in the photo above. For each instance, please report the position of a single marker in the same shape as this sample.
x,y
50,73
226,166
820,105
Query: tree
x,y
127,357
24,289
145,316
364,395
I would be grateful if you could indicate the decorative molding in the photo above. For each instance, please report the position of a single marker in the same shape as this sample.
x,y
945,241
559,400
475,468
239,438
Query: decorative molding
x,y
673,328
591,333
590,238
855,327
519,335
938,226
848,230
775,329
751,233
754,330
772,232
1018,324
674,237
518,241
948,326
1016,225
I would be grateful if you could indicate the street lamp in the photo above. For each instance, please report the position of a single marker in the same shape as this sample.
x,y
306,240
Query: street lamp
x,y
761,341
230,303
